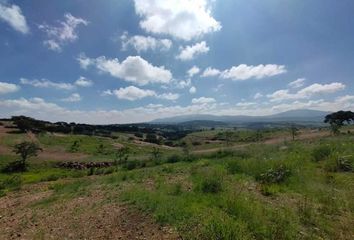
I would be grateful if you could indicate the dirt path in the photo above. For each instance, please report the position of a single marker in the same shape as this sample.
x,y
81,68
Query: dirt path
x,y
86,217
303,136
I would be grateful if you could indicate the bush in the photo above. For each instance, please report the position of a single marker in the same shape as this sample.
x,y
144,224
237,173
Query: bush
x,y
321,153
131,165
339,164
277,174
174,158
211,182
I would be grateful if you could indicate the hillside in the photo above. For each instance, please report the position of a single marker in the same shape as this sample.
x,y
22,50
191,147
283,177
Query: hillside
x,y
214,184
302,115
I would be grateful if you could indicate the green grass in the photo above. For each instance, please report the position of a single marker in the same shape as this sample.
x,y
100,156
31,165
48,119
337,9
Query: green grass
x,y
294,190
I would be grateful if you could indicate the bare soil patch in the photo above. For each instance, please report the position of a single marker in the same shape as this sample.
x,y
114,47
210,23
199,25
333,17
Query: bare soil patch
x,y
85,217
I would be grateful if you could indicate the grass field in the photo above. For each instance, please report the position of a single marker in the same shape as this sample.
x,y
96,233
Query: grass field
x,y
300,189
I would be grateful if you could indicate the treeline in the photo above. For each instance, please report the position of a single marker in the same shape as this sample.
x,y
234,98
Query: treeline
x,y
168,132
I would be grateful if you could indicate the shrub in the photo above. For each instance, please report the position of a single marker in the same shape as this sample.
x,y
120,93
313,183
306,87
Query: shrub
x,y
339,164
174,158
211,183
176,189
321,153
131,165
276,174
233,167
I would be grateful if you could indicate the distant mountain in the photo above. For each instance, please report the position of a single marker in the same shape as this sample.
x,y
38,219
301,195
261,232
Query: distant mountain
x,y
301,115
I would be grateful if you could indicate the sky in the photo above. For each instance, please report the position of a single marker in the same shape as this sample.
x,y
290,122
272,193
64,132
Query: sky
x,y
125,61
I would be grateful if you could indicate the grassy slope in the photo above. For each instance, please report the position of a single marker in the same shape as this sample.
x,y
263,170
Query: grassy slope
x,y
223,196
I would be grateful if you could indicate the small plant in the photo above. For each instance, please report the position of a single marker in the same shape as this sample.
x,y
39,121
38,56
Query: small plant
x,y
274,175
121,156
176,189
339,164
321,153
211,182
156,155
75,146
173,158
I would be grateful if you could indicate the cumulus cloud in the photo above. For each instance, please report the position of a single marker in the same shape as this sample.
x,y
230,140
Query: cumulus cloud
x,y
132,93
44,83
83,82
184,19
297,83
8,88
307,92
203,100
190,52
62,34
133,69
211,72
14,17
75,97
258,96
169,96
193,71
192,90
244,72
143,43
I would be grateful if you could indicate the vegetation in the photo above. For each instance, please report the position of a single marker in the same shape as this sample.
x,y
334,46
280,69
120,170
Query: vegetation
x,y
337,120
237,186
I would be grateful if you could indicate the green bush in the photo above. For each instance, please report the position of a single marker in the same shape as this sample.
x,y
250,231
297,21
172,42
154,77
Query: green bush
x,y
339,164
321,153
211,182
174,158
276,174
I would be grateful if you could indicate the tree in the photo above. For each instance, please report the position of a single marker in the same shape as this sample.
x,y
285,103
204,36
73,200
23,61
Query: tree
x,y
121,156
337,120
26,150
294,131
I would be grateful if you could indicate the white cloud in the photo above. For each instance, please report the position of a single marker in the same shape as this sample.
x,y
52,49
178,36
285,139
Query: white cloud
x,y
184,19
62,34
14,17
132,93
244,72
306,92
211,72
133,69
258,96
193,71
75,97
184,83
8,88
47,84
297,83
192,90
203,100
190,52
84,61
169,96
83,82
142,43
245,104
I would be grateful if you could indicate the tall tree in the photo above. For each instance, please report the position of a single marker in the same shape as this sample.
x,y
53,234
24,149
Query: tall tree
x,y
337,120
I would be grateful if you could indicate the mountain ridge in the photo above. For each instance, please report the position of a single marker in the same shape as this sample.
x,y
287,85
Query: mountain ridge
x,y
305,115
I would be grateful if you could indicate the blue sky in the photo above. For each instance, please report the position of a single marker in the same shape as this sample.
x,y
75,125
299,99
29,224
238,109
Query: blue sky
x,y
120,61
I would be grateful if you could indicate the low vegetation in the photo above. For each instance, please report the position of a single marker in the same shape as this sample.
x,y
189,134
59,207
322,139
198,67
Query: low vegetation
x,y
293,189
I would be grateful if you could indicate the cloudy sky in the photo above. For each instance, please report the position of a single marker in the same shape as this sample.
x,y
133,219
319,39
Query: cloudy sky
x,y
121,61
